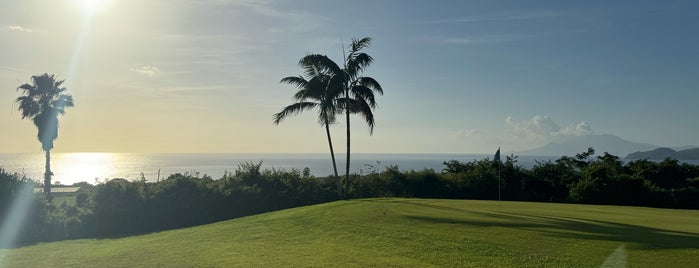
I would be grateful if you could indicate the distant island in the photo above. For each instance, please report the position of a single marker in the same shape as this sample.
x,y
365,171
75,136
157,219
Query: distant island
x,y
662,153
602,143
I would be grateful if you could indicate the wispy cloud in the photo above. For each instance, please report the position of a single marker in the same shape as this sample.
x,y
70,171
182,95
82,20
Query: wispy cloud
x,y
505,16
147,70
501,38
294,19
469,133
12,69
188,91
487,39
16,28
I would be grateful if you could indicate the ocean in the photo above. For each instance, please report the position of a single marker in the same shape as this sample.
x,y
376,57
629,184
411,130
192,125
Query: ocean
x,y
69,168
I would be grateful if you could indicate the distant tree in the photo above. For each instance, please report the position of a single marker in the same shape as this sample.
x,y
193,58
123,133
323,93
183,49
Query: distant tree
x,y
42,101
315,92
359,91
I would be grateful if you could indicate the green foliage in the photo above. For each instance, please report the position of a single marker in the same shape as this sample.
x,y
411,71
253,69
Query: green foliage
x,y
14,189
118,207
11,185
123,207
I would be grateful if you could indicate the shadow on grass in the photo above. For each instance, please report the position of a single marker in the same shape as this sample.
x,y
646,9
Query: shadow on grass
x,y
640,237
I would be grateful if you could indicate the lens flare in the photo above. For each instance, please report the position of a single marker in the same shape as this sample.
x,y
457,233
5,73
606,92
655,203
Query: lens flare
x,y
12,223
92,7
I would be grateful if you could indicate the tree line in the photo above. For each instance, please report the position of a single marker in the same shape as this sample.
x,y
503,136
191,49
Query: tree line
x,y
120,207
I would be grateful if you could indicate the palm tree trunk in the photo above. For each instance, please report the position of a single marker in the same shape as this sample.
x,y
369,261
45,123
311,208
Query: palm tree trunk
x,y
347,169
47,176
332,155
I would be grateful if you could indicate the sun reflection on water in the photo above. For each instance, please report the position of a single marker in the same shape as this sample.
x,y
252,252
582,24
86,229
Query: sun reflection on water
x,y
70,167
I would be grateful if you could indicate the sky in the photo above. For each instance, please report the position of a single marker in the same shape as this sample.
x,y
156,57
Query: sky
x,y
202,76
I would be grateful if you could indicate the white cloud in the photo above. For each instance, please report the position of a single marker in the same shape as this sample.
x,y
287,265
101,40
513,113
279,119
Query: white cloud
x,y
16,28
148,70
579,129
544,128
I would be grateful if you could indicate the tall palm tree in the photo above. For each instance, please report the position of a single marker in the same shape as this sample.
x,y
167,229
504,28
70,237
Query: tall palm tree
x,y
358,90
42,101
317,90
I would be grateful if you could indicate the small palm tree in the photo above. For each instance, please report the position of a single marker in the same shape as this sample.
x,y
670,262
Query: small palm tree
x,y
42,101
316,91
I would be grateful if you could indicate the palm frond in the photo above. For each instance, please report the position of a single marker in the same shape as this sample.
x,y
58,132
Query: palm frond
x,y
358,63
62,102
361,107
45,82
293,109
314,89
335,86
57,84
28,106
364,93
297,81
359,44
316,62
27,89
328,106
364,110
371,83
344,103
303,95
325,117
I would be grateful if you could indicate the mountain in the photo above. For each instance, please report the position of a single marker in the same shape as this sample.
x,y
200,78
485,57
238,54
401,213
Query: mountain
x,y
662,153
682,148
602,143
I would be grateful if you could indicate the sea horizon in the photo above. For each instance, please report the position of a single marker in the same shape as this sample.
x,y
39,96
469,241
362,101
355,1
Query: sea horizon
x,y
95,167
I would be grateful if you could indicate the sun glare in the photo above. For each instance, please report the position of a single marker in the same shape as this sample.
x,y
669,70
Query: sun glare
x,y
92,7
83,166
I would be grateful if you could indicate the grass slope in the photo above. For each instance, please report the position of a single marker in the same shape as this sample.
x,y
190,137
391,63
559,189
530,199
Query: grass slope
x,y
399,233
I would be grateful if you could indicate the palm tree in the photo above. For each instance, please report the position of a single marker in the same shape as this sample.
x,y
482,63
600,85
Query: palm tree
x,y
42,101
316,91
358,90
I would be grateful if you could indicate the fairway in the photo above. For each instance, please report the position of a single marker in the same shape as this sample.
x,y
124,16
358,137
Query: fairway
x,y
400,233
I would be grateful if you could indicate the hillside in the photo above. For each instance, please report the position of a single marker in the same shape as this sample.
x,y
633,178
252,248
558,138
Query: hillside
x,y
602,143
662,153
403,233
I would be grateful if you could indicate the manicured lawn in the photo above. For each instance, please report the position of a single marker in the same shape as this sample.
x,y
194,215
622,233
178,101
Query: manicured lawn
x,y
399,233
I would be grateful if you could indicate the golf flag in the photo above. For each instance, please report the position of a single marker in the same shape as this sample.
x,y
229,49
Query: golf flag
x,y
497,155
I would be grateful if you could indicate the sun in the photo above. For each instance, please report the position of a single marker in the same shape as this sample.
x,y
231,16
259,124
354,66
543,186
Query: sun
x,y
92,7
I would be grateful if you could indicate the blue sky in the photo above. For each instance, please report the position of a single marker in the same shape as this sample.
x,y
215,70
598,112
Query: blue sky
x,y
459,76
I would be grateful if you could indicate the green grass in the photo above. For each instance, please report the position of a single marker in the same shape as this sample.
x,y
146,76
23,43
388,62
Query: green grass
x,y
400,233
